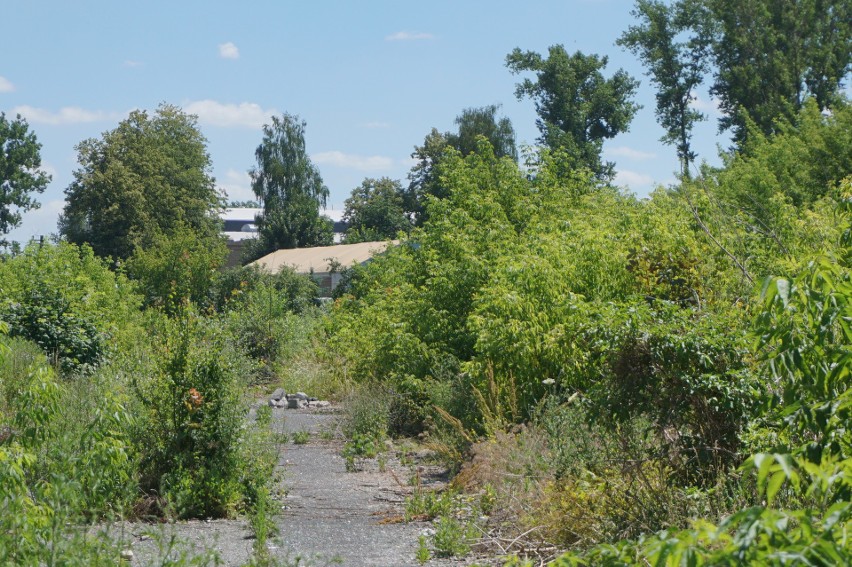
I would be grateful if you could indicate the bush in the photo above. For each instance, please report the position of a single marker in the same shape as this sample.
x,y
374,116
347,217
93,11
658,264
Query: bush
x,y
51,480
68,301
176,267
193,430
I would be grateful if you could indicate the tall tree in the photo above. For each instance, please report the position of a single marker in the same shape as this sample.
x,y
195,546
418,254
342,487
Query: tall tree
x,y
771,55
20,176
290,189
483,121
672,43
471,123
374,211
150,175
578,107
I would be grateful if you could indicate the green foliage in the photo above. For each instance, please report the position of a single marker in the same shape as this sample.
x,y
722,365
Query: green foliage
x,y
429,504
802,336
176,268
375,211
802,162
473,124
68,302
264,325
578,107
192,430
301,437
151,175
453,537
422,555
233,287
771,56
45,317
676,67
20,175
290,188
45,491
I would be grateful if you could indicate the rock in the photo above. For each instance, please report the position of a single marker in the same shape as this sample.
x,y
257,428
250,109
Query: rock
x,y
301,395
296,403
278,394
126,555
318,404
278,403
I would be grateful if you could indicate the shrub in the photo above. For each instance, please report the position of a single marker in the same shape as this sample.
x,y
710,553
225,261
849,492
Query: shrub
x,y
69,302
193,429
176,267
44,491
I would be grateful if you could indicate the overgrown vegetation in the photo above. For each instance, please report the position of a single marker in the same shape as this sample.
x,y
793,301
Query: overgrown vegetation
x,y
607,368
617,381
110,411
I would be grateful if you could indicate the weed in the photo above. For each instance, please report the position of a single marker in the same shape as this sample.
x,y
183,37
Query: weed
x,y
453,537
301,437
427,505
280,437
423,555
360,446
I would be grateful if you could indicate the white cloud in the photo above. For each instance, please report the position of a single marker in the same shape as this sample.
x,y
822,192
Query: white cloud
x,y
629,153
709,106
65,115
228,51
633,179
48,169
352,161
236,185
6,85
408,36
244,115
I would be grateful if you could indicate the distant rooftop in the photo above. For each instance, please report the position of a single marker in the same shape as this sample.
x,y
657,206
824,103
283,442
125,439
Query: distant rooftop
x,y
319,258
240,222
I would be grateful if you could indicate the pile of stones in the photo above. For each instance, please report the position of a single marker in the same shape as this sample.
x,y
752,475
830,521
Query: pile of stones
x,y
299,400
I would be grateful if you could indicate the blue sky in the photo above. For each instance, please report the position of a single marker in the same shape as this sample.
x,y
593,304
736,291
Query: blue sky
x,y
369,78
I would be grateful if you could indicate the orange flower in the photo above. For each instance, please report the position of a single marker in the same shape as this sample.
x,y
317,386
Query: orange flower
x,y
195,399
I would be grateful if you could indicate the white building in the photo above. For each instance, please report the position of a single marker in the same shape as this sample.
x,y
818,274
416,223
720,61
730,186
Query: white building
x,y
239,225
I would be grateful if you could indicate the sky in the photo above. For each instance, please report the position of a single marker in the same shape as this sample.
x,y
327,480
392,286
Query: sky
x,y
370,79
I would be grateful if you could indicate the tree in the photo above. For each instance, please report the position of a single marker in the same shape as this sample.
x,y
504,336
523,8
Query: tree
x,y
577,107
374,211
472,123
290,189
483,121
150,175
20,176
770,56
676,67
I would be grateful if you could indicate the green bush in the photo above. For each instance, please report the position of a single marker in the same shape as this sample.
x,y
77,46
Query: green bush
x,y
45,317
170,268
69,302
51,481
192,432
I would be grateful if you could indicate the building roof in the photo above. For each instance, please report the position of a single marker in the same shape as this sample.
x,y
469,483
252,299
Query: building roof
x,y
317,259
240,214
248,214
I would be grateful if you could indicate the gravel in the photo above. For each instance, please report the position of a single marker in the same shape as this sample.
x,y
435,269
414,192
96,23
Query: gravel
x,y
328,516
